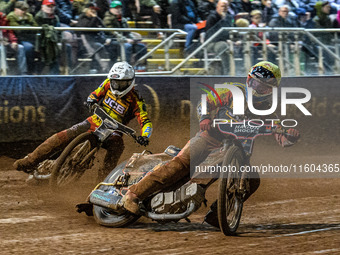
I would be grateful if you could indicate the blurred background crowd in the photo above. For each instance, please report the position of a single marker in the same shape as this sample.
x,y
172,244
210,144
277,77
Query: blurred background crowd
x,y
49,51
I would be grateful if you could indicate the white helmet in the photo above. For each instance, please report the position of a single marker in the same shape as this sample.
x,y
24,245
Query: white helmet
x,y
122,78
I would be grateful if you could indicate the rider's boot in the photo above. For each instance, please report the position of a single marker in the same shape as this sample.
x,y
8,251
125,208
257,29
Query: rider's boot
x,y
39,154
211,217
130,202
161,178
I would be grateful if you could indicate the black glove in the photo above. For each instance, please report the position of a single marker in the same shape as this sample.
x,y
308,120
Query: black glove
x,y
89,103
143,140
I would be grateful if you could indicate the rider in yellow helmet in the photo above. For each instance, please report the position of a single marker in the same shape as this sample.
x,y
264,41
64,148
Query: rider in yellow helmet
x,y
262,78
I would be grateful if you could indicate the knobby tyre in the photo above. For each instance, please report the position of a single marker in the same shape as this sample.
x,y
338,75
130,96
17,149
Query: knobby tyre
x,y
76,158
230,199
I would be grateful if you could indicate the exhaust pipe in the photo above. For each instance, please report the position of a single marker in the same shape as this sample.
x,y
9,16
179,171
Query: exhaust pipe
x,y
159,217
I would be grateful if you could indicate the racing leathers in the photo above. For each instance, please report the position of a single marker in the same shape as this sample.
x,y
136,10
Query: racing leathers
x,y
121,109
195,152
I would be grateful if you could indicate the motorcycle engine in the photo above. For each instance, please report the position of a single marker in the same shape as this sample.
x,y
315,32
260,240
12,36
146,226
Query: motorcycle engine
x,y
177,201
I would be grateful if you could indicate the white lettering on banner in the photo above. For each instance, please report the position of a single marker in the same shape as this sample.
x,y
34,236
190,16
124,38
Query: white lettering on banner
x,y
252,125
238,100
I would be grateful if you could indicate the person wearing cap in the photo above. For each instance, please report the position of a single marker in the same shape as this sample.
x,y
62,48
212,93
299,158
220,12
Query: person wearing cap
x,y
113,19
92,43
21,17
47,16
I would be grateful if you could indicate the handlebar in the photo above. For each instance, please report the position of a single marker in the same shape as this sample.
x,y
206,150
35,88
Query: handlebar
x,y
110,124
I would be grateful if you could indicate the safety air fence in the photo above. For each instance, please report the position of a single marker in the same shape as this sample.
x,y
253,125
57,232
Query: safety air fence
x,y
33,108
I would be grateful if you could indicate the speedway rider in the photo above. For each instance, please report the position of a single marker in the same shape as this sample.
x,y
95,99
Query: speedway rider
x,y
262,78
120,101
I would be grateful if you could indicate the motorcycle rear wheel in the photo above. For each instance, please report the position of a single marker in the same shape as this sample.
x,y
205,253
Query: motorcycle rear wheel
x,y
73,161
108,218
230,200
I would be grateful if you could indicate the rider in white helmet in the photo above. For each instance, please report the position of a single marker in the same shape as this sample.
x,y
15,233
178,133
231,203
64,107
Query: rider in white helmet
x,y
122,78
120,100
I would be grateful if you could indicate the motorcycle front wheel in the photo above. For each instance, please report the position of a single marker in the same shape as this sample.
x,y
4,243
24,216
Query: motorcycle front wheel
x,y
107,217
230,197
72,163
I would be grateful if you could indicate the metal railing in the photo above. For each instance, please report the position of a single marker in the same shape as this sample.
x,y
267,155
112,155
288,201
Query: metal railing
x,y
288,51
118,33
282,49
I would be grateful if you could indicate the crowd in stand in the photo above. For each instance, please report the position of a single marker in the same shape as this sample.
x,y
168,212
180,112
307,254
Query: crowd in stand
x,y
39,52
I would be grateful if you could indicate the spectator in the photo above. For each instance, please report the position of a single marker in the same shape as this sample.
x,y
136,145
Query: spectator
x,y
20,17
268,11
157,9
49,51
322,20
184,15
12,47
92,43
7,6
239,39
103,7
64,12
205,7
34,6
256,21
308,50
337,20
292,4
78,7
304,18
244,7
129,9
47,14
282,20
113,19
216,20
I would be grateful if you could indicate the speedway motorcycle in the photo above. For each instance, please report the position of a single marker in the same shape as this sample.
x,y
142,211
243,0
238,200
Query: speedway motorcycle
x,y
69,164
104,202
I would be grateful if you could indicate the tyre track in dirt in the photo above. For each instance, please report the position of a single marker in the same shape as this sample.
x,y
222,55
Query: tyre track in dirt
x,y
285,216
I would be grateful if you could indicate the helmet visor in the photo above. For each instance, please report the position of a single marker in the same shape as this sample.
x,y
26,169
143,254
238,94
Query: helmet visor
x,y
264,75
260,87
120,85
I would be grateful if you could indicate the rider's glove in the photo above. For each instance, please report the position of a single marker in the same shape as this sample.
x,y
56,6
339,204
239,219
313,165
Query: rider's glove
x,y
90,102
288,138
293,135
205,124
143,140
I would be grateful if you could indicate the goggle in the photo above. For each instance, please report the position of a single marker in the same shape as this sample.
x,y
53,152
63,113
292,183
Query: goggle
x,y
120,85
260,87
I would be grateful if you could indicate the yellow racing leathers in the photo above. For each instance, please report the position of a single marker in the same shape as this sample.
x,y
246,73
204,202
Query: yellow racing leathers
x,y
121,109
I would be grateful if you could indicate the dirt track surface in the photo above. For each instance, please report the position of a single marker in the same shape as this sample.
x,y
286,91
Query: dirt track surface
x,y
285,216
